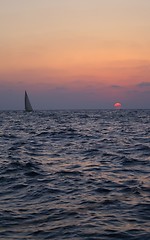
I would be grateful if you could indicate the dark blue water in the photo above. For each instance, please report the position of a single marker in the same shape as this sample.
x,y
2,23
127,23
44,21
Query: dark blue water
x,y
75,175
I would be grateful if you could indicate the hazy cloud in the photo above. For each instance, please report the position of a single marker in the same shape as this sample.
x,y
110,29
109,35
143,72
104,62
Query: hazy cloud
x,y
116,86
144,84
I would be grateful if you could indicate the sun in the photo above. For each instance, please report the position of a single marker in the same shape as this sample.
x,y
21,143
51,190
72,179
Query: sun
x,y
117,105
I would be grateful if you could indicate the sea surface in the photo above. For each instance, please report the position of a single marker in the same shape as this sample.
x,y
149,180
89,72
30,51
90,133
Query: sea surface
x,y
75,175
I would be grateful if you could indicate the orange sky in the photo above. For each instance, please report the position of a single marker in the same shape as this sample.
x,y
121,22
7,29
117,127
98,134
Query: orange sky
x,y
73,44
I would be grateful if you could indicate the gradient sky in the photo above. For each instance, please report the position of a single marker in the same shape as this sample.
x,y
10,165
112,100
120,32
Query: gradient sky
x,y
75,53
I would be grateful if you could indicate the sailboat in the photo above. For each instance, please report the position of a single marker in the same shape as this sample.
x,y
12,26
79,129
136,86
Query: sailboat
x,y
28,107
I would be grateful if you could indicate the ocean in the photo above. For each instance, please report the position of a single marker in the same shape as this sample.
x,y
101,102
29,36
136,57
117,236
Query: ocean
x,y
76,175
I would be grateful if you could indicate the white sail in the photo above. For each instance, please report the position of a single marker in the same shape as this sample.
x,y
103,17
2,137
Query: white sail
x,y
28,106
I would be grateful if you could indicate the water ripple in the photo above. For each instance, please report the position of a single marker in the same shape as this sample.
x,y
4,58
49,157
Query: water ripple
x,y
75,175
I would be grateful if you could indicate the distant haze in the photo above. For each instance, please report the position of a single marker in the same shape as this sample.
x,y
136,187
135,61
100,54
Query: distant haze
x,y
75,54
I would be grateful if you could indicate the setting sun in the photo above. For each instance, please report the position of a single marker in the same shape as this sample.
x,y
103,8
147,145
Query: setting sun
x,y
117,105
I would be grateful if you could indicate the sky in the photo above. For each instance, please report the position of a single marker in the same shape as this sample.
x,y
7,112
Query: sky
x,y
75,54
